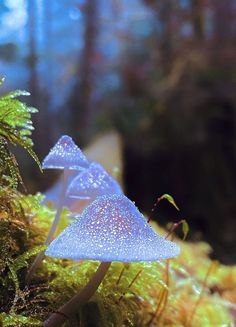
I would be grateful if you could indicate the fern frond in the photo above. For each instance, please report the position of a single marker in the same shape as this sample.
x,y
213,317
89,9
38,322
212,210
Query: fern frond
x,y
15,128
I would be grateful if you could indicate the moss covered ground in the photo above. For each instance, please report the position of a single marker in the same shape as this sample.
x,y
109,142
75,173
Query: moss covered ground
x,y
190,290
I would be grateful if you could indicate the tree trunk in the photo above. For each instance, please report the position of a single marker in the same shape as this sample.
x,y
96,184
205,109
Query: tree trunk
x,y
82,112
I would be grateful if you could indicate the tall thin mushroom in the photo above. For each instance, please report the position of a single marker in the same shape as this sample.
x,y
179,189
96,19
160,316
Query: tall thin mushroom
x,y
90,184
109,229
66,156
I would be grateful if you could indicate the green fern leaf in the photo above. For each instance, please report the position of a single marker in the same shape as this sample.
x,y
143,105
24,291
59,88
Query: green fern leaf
x,y
15,128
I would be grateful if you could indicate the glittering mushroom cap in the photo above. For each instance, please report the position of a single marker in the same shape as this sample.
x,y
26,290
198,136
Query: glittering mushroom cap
x,y
111,229
93,182
65,155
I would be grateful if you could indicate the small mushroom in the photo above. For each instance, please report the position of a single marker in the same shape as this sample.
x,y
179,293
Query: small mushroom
x,y
109,229
90,184
67,156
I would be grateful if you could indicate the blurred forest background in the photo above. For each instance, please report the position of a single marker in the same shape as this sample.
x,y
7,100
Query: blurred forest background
x,y
160,72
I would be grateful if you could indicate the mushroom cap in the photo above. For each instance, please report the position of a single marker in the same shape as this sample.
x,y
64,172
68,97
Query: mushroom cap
x,y
93,182
65,155
111,229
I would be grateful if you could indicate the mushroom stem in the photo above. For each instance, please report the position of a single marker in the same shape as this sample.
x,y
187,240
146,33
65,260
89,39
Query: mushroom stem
x,y
58,318
49,238
59,208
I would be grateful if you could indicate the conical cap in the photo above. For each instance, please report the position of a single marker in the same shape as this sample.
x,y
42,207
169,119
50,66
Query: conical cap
x,y
112,229
65,155
93,182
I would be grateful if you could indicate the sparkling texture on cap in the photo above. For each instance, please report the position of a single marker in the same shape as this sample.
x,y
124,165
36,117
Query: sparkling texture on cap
x,y
93,182
65,155
111,229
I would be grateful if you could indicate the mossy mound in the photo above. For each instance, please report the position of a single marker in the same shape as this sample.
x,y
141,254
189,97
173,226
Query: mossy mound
x,y
190,290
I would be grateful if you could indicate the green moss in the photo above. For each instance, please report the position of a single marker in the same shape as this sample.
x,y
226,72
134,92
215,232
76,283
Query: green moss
x,y
18,320
134,294
15,128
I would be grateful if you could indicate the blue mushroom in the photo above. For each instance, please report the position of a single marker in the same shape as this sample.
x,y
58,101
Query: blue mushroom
x,y
67,156
109,229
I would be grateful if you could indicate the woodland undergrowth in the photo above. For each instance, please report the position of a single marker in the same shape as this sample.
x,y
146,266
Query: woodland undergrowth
x,y
191,290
